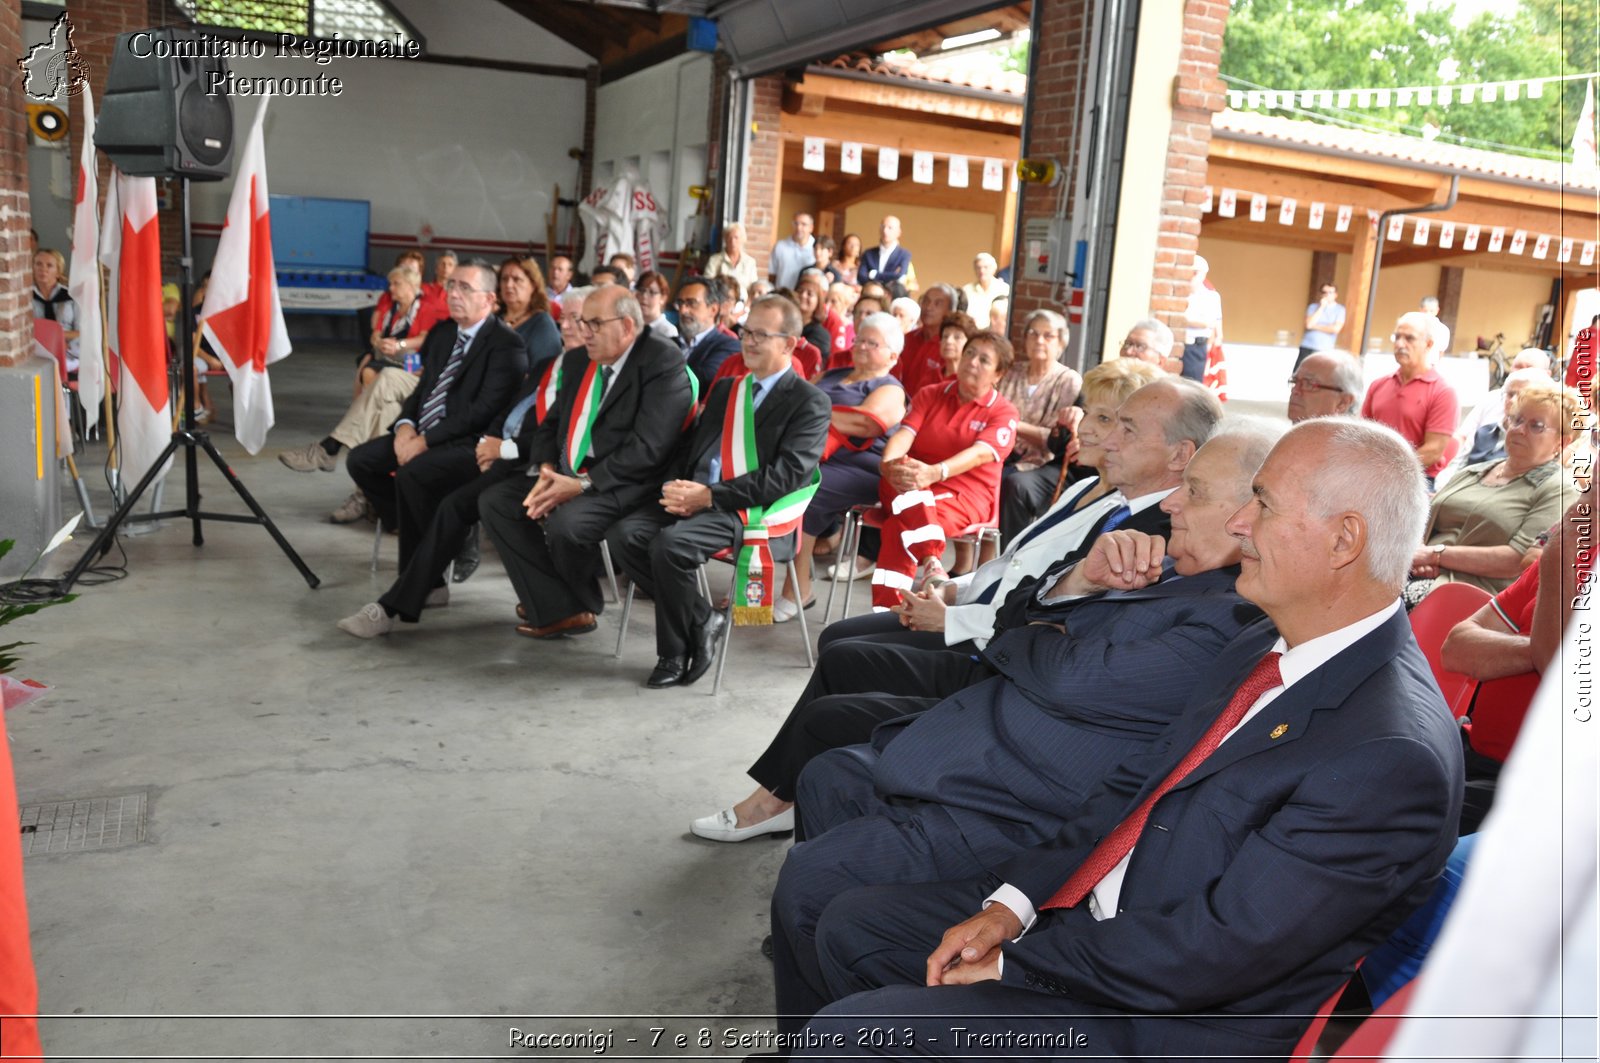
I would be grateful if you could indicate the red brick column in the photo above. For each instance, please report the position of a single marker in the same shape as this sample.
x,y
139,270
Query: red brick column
x,y
1198,94
764,169
16,263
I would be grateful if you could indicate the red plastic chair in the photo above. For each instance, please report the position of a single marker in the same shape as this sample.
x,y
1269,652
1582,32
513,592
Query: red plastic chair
x,y
1431,621
1371,1039
1306,1046
1497,713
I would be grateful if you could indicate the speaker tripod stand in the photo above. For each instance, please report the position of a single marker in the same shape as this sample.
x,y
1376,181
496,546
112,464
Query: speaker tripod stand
x,y
191,440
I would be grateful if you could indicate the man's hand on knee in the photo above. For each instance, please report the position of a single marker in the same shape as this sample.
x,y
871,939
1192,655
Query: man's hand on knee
x,y
970,951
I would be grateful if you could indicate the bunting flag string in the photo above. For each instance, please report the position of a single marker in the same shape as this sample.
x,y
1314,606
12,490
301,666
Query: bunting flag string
x,y
851,157
1424,231
1359,98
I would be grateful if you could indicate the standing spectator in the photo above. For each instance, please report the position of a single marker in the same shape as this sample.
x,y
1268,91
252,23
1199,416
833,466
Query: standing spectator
x,y
1414,400
1204,316
888,262
847,264
653,292
731,261
982,292
1324,319
822,247
792,254
1441,331
920,364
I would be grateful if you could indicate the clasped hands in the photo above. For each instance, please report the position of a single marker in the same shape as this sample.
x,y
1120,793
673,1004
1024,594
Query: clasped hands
x,y
1121,560
408,444
685,498
1425,563
909,474
923,611
970,951
550,491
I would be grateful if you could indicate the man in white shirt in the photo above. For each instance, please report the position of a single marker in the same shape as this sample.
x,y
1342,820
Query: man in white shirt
x,y
793,253
1213,891
985,289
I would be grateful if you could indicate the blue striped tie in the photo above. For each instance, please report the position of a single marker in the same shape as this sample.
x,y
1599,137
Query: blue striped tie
x,y
433,409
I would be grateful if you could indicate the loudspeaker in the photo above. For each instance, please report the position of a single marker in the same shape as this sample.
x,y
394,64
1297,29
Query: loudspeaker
x,y
155,119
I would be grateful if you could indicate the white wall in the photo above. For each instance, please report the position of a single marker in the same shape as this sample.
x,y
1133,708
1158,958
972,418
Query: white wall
x,y
655,121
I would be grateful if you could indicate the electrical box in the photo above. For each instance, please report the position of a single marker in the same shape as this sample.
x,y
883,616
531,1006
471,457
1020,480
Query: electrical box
x,y
1042,257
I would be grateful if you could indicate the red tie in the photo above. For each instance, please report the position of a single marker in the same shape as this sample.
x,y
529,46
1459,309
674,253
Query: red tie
x,y
1119,843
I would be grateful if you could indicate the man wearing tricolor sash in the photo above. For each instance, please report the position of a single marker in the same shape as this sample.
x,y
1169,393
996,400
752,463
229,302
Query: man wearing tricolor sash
x,y
603,450
745,477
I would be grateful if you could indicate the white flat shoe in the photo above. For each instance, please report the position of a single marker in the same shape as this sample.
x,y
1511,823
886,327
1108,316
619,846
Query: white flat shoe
x,y
721,827
860,573
371,622
783,610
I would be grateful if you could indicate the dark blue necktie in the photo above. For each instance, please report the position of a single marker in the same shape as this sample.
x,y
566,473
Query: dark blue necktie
x,y
1117,519
1113,519
433,409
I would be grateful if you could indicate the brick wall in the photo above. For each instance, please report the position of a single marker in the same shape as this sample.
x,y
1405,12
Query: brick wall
x,y
1197,95
763,167
16,265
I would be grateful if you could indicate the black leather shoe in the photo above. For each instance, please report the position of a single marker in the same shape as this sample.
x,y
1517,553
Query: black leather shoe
x,y
668,673
705,647
766,946
467,559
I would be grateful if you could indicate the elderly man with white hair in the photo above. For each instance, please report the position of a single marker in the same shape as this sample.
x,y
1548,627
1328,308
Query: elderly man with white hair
x,y
983,291
1324,384
1150,340
1414,400
732,261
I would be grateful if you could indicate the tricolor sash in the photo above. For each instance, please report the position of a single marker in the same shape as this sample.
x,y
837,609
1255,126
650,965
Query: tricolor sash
x,y
752,577
585,411
549,388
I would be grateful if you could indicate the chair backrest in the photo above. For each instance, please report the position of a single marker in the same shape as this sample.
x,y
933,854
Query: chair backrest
x,y
1372,1037
1431,621
1497,713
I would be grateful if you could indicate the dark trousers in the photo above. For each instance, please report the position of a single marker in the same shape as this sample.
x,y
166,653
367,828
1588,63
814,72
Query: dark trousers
x,y
407,496
553,563
858,684
441,541
1305,352
1194,359
1023,496
849,478
881,627
663,554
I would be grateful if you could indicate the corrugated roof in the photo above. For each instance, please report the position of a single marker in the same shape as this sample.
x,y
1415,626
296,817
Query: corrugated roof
x,y
1430,153
1008,83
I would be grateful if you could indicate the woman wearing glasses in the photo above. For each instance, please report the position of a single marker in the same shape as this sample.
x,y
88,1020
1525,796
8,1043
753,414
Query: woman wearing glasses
x,y
1484,520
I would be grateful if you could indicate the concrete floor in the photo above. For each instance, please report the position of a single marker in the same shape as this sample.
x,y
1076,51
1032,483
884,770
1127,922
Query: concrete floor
x,y
451,821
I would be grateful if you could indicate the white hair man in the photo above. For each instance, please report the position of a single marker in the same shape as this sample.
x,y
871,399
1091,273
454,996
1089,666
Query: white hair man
x,y
1414,400
985,288
1150,340
1324,384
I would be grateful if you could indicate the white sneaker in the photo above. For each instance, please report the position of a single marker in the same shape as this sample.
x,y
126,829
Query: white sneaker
x,y
437,597
371,622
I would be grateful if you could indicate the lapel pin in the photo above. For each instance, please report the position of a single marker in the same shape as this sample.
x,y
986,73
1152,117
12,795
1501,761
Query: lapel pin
x,y
1279,731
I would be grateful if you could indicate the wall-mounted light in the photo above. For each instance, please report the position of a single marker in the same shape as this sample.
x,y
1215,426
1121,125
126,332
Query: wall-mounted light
x,y
1039,172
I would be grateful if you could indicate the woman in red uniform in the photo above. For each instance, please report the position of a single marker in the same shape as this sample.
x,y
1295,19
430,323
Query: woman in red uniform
x,y
942,467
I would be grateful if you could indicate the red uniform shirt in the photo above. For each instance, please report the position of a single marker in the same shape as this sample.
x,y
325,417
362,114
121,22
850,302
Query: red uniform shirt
x,y
919,364
1426,404
945,425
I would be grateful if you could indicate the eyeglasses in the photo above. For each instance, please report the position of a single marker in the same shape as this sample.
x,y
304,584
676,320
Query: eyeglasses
x,y
592,324
653,293
689,304
1135,345
1304,383
867,344
463,287
1537,428
759,336
1033,334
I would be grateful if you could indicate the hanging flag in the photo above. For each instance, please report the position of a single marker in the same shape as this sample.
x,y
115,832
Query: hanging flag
x,y
1583,142
850,157
1314,216
1564,253
1420,234
1235,99
1341,223
1205,208
922,167
1258,207
888,164
1447,234
1397,227
130,248
1227,203
1541,246
242,316
1497,239
1519,240
1586,256
958,171
815,155
1383,98
1286,212
1511,91
1490,93
84,286
994,175
1469,242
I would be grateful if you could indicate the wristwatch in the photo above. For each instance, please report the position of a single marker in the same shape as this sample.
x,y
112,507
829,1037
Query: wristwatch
x,y
584,483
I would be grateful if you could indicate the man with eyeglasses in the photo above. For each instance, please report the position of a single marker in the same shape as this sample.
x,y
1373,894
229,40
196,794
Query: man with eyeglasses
x,y
1150,341
472,365
721,488
705,346
1414,400
1325,384
1324,319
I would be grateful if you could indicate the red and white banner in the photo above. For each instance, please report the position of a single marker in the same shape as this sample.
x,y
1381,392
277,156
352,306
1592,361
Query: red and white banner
x,y
242,316
130,248
1314,219
85,273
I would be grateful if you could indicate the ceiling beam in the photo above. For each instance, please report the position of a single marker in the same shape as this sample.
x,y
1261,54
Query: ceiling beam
x,y
1305,187
910,97
1287,157
904,134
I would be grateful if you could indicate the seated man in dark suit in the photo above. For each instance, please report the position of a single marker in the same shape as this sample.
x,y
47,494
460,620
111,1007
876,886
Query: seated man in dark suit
x,y
911,654
705,345
600,453
1003,765
472,366
720,487
1214,889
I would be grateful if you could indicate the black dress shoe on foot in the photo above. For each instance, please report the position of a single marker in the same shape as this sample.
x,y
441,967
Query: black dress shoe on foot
x,y
705,647
467,560
668,673
766,946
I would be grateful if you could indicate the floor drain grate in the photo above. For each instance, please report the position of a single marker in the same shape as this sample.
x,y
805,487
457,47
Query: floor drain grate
x,y
83,824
